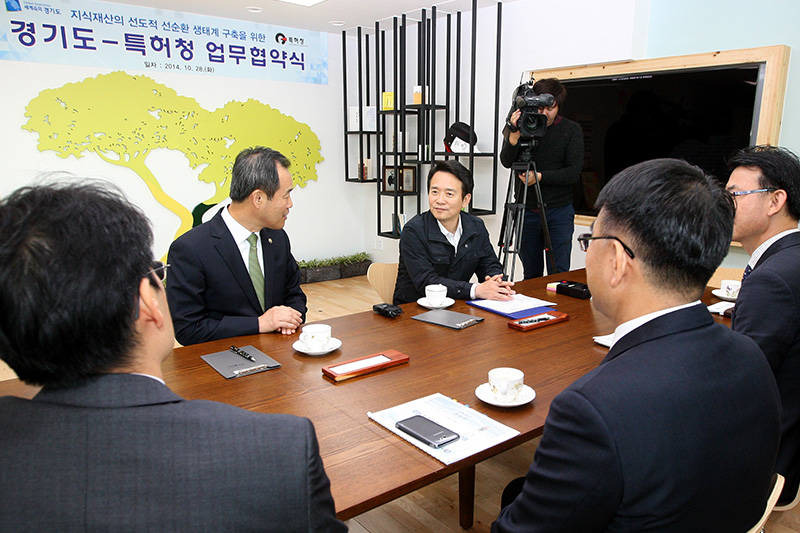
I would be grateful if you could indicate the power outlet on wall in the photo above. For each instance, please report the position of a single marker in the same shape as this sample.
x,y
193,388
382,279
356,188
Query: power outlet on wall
x,y
378,243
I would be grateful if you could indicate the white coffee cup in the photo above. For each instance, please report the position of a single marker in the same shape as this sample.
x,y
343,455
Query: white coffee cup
x,y
730,287
435,294
316,336
506,383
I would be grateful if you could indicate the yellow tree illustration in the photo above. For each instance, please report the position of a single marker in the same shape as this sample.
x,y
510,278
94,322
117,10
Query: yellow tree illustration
x,y
239,125
119,117
122,118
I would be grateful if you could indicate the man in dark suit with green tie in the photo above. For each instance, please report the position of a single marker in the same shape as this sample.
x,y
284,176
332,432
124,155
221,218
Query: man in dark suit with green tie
x,y
235,274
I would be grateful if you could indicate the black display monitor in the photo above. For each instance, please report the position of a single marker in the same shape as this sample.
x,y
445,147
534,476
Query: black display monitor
x,y
701,115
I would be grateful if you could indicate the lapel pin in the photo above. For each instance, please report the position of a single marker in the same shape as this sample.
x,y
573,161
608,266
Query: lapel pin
x,y
269,239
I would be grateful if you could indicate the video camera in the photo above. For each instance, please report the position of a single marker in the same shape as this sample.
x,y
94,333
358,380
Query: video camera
x,y
531,123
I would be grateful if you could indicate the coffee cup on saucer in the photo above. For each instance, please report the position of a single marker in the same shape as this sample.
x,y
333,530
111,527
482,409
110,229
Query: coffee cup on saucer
x,y
506,383
316,336
730,287
435,294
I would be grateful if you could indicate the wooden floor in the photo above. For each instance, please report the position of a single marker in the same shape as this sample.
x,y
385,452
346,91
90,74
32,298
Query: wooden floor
x,y
435,507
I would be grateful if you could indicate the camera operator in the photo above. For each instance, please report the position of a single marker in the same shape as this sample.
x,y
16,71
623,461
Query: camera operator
x,y
558,156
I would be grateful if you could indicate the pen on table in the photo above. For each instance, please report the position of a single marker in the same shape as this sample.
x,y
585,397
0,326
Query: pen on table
x,y
533,320
244,354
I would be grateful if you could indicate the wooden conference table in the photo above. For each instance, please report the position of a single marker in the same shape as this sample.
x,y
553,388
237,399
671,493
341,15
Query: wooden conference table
x,y
367,465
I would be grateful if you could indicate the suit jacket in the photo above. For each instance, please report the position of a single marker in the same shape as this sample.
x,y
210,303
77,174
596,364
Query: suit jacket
x,y
676,430
426,257
209,289
768,311
123,452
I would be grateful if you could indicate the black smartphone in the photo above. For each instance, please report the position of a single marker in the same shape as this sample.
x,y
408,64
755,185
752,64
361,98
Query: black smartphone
x,y
427,431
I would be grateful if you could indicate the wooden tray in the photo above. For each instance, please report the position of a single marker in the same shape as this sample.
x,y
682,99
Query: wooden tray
x,y
347,369
527,324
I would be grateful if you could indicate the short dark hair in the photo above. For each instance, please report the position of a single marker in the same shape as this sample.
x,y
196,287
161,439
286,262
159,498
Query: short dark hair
x,y
451,166
551,86
779,168
72,256
255,168
680,220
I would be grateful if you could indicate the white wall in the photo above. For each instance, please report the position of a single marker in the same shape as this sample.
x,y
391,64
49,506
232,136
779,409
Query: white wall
x,y
328,216
332,217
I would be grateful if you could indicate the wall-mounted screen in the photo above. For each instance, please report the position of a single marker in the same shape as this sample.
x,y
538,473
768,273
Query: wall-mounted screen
x,y
701,115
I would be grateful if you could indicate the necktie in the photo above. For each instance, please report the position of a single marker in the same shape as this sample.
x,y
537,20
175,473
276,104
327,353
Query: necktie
x,y
747,271
255,269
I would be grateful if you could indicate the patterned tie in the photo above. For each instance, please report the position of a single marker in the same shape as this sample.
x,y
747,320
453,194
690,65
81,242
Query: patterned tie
x,y
747,271
255,269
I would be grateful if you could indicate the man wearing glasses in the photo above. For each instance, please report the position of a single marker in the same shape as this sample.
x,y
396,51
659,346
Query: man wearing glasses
x,y
677,428
766,185
106,445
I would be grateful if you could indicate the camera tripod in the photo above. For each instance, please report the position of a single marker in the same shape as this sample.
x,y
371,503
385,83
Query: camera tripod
x,y
514,215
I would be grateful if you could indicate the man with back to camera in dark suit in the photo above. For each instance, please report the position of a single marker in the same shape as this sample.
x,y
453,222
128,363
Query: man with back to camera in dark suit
x,y
446,245
106,445
766,184
678,427
559,161
235,274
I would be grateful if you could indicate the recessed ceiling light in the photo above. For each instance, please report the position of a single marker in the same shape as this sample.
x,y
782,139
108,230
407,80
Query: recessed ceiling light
x,y
254,9
305,3
336,23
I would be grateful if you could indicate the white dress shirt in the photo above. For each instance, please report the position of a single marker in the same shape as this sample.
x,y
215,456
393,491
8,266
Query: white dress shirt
x,y
240,235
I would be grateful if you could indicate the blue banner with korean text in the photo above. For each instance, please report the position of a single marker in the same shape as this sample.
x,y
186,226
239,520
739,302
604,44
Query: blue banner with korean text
x,y
117,36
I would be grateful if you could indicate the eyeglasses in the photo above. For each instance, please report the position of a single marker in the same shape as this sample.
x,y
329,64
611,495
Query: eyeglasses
x,y
744,193
584,239
159,269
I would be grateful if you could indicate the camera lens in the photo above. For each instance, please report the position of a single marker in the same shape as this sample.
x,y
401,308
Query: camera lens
x,y
532,124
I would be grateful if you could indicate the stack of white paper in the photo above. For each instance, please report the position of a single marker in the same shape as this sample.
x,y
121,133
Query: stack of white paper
x,y
477,431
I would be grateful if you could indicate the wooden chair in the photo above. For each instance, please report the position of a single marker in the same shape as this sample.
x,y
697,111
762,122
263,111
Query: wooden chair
x,y
790,505
382,277
6,372
777,487
725,273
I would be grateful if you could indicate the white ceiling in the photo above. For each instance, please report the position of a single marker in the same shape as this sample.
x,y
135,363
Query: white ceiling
x,y
352,12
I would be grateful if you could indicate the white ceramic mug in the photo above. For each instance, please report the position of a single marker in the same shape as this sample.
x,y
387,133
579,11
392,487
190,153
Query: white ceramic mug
x,y
506,383
435,294
316,336
730,287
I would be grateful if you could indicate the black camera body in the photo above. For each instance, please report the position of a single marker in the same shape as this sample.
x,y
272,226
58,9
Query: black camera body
x,y
531,123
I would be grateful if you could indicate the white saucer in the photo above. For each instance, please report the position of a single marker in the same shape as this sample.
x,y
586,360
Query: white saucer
x,y
719,293
333,344
446,303
484,394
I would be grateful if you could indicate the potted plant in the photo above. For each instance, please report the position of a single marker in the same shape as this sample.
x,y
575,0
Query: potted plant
x,y
355,265
343,266
319,270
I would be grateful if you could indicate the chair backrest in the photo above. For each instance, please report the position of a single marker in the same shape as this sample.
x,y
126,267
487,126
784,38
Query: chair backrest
x,y
777,487
6,372
791,505
382,277
725,273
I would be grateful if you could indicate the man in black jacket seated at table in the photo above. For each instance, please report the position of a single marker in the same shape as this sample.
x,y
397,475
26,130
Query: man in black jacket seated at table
x,y
677,428
447,246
